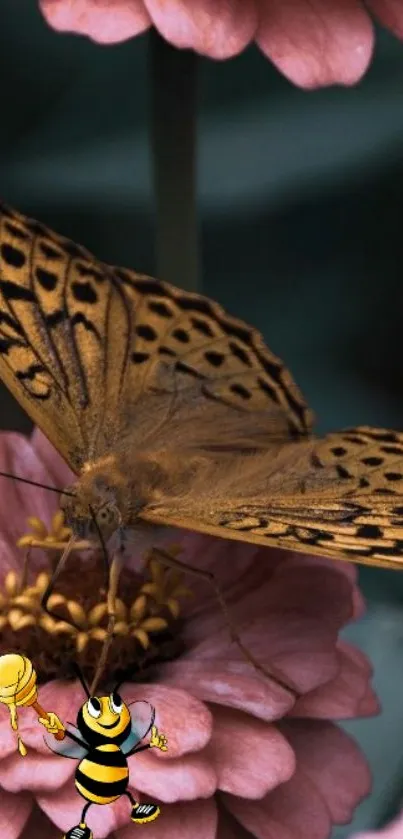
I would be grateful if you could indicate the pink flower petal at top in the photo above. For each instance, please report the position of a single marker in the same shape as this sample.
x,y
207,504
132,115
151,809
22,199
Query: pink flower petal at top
x,y
105,21
216,28
312,42
242,748
316,42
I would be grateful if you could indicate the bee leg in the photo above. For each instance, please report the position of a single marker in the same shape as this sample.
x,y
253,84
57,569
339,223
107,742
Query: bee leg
x,y
80,831
173,562
142,813
117,563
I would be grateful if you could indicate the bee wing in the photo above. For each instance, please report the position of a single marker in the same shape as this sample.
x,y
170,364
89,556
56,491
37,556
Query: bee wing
x,y
68,747
142,717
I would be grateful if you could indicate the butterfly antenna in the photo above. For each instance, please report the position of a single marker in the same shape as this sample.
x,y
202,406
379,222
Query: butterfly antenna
x,y
80,676
35,483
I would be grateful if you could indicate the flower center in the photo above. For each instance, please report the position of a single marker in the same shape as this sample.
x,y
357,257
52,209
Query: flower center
x,y
147,628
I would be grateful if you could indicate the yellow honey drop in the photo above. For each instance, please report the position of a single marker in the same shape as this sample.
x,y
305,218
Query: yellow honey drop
x,y
13,717
21,748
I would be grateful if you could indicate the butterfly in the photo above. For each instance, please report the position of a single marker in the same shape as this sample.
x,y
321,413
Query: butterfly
x,y
173,413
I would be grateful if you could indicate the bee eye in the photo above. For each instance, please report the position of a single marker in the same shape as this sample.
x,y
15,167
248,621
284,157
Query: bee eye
x,y
94,707
116,703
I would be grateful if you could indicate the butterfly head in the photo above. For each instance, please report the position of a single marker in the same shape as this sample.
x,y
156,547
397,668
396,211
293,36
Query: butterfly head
x,y
91,507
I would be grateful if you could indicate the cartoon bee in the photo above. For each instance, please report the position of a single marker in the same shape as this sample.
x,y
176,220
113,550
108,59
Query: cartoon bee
x,y
107,733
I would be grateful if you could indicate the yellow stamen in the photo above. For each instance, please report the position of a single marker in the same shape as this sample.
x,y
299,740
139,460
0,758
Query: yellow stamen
x,y
154,624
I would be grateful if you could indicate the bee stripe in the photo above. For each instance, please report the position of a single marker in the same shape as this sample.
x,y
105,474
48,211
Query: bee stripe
x,y
95,799
108,758
104,789
104,774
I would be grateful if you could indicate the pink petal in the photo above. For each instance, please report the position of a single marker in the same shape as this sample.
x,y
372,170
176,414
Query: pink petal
x,y
105,21
60,475
64,809
341,697
390,13
250,756
293,809
263,591
290,624
64,698
233,683
317,42
332,761
215,28
347,568
18,457
34,772
184,779
369,704
14,813
229,827
39,826
186,722
181,821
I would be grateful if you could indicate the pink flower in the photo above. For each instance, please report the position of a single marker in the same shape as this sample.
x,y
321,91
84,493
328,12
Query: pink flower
x,y
394,830
244,752
313,42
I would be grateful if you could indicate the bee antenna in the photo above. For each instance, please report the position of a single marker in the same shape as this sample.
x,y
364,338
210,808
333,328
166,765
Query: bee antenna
x,y
80,676
35,483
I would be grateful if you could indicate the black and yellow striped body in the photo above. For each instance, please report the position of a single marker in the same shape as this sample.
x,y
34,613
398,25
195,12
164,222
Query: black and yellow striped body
x,y
102,776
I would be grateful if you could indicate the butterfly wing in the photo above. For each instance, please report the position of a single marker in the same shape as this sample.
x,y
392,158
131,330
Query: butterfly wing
x,y
340,496
142,716
67,747
97,354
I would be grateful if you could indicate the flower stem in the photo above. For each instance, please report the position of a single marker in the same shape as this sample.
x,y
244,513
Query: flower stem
x,y
173,147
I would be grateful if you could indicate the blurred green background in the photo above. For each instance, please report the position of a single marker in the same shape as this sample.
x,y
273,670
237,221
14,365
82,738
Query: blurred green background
x,y
301,211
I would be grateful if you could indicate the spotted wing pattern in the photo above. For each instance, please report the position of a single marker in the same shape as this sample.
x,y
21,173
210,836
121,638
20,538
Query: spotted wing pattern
x,y
83,346
340,496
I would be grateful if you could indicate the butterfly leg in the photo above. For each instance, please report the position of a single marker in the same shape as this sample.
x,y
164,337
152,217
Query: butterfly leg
x,y
25,568
117,563
173,562
51,584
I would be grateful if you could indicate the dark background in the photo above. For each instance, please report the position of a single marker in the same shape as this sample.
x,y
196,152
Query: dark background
x,y
301,209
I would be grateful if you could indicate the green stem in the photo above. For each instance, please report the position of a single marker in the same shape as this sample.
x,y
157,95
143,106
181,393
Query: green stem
x,y
173,147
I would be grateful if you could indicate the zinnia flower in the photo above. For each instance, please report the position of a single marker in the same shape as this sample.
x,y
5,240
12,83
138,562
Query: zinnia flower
x,y
245,752
313,42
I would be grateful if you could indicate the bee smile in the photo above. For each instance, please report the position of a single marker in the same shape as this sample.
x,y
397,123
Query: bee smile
x,y
112,724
